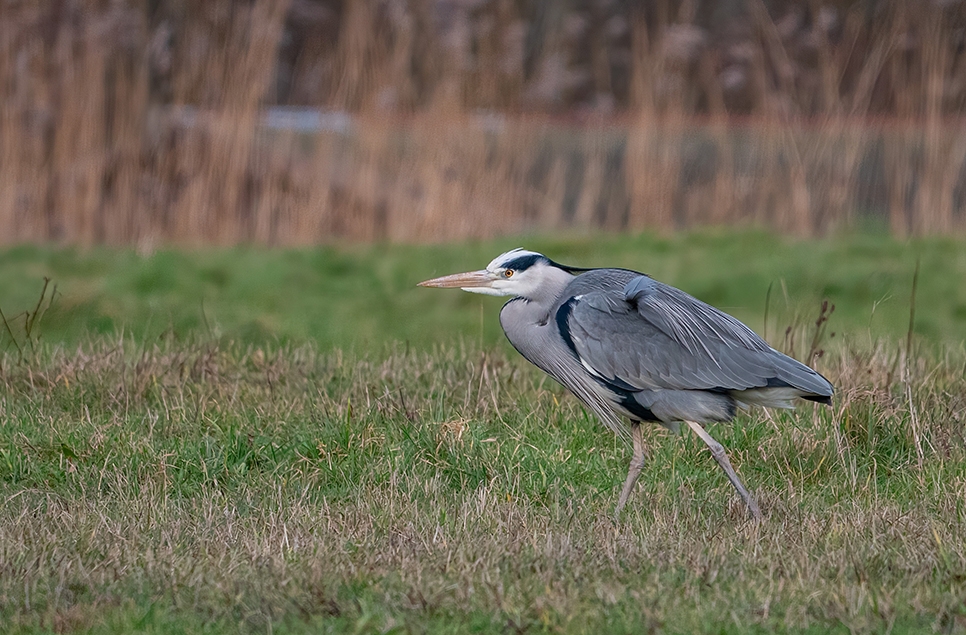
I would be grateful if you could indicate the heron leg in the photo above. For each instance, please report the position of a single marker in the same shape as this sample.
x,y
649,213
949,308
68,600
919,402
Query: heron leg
x,y
718,452
634,470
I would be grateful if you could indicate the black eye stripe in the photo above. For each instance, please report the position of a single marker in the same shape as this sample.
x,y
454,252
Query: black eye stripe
x,y
524,262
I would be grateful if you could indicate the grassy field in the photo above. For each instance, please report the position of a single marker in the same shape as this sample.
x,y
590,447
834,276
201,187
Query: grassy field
x,y
363,298
299,441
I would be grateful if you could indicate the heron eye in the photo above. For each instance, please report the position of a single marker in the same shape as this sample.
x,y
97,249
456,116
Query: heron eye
x,y
508,273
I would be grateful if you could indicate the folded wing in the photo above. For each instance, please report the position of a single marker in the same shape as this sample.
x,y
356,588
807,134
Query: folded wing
x,y
651,336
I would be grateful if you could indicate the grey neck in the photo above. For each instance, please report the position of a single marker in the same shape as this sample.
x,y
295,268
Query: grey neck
x,y
552,283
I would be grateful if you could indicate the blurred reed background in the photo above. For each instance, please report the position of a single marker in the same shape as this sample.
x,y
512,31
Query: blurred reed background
x,y
283,123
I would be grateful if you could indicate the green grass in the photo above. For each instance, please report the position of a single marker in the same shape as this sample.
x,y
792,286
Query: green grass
x,y
204,489
325,448
362,298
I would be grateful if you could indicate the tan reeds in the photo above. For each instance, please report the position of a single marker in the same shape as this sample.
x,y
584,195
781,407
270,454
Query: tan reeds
x,y
93,151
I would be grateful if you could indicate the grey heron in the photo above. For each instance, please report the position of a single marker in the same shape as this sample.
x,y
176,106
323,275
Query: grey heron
x,y
629,346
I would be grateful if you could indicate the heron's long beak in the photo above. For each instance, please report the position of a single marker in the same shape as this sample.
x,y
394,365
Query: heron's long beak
x,y
468,280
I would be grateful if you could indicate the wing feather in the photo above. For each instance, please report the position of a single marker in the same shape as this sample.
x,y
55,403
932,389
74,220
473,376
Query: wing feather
x,y
651,336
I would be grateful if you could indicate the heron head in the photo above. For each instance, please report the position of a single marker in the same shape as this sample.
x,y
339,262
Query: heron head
x,y
518,273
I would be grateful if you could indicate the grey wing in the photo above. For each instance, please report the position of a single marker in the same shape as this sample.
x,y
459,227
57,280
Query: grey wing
x,y
651,336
